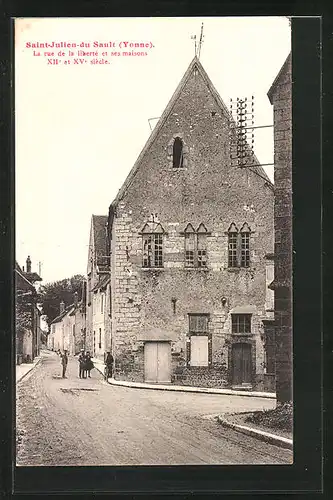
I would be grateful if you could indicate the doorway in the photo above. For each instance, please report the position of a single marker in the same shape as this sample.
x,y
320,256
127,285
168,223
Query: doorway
x,y
241,364
157,356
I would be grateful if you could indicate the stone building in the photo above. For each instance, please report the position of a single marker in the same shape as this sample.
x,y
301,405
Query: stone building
x,y
189,235
280,96
98,321
28,314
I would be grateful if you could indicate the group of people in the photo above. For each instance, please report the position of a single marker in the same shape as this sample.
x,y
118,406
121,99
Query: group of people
x,y
85,364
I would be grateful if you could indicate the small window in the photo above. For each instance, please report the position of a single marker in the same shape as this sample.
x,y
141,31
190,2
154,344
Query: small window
x,y
100,339
178,153
241,323
102,303
198,323
73,330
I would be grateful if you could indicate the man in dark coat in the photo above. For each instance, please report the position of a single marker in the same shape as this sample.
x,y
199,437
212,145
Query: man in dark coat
x,y
81,360
89,365
64,362
109,364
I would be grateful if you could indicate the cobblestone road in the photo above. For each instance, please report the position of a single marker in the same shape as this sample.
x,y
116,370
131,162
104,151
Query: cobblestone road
x,y
89,422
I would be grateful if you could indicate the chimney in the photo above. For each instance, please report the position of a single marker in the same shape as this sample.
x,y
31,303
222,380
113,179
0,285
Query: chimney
x,y
75,299
28,262
62,306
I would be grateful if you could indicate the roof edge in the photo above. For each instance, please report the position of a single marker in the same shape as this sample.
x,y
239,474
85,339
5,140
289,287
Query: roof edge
x,y
274,84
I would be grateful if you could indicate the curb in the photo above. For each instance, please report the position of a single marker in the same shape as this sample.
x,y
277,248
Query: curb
x,y
33,365
178,388
261,435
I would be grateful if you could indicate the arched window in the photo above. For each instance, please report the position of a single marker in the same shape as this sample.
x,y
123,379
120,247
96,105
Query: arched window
x,y
178,153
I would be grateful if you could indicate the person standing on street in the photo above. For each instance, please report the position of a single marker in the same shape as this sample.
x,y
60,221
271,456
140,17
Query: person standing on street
x,y
82,364
109,364
89,363
64,362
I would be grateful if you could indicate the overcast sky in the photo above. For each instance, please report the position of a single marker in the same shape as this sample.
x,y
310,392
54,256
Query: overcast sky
x,y
79,129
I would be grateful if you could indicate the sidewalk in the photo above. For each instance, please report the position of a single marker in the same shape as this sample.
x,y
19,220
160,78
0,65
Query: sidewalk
x,y
24,368
100,366
260,434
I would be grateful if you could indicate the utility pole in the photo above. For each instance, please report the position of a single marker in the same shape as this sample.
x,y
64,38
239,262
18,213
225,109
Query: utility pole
x,y
241,134
200,40
197,47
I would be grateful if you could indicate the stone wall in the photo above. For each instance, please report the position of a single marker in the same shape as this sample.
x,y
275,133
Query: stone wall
x,y
207,190
281,98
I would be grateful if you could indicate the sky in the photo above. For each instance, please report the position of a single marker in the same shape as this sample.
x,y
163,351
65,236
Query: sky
x,y
79,127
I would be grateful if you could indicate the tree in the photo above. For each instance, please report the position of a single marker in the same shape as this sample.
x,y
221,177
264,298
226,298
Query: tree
x,y
51,294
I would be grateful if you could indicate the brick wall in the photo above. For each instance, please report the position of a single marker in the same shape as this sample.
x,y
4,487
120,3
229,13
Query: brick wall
x,y
205,191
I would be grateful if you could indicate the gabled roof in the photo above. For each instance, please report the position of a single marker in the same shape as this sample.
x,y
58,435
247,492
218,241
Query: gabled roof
x,y
195,64
63,314
271,91
99,223
80,305
22,282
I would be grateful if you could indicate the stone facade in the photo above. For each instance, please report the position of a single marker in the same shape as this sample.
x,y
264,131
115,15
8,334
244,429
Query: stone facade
x,y
280,96
212,196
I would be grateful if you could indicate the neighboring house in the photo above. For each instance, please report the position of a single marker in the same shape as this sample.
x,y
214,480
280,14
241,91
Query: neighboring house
x,y
61,330
67,330
80,321
98,281
28,315
189,235
100,316
280,96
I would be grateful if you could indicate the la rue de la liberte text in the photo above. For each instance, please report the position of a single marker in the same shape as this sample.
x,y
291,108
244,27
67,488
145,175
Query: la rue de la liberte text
x,y
84,52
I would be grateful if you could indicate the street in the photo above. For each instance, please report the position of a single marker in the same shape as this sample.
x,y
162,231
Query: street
x,y
89,422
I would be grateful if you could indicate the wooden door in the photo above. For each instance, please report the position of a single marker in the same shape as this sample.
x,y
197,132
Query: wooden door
x,y
157,362
163,362
199,350
241,364
150,362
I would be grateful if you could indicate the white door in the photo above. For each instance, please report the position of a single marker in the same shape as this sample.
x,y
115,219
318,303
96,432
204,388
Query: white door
x,y
199,350
157,362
